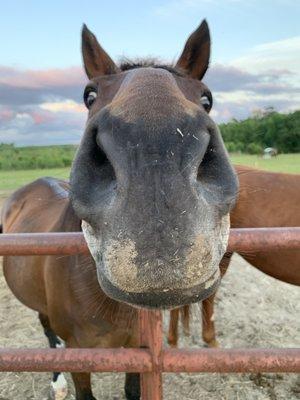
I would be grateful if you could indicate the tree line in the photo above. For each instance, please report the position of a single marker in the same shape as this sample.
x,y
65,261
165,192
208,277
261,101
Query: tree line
x,y
35,157
266,128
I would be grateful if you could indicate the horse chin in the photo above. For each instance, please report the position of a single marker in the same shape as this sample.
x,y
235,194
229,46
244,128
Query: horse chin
x,y
157,283
168,299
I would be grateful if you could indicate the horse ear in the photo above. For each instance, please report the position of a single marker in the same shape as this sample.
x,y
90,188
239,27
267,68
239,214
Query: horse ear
x,y
195,56
96,61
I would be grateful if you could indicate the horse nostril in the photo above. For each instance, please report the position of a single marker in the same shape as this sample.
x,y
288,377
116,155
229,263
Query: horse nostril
x,y
99,152
197,154
101,161
101,156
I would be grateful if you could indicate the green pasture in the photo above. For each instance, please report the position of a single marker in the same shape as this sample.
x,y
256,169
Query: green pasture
x,y
11,180
289,163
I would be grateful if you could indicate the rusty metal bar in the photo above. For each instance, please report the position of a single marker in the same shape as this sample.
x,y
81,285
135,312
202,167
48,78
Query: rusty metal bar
x,y
25,244
151,362
264,239
76,360
140,360
232,360
150,330
67,243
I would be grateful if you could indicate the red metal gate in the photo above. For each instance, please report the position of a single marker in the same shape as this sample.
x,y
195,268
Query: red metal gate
x,y
151,359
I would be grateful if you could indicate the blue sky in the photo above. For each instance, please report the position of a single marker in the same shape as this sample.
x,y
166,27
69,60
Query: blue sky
x,y
255,56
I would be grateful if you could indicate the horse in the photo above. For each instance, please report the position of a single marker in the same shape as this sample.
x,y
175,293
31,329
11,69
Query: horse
x,y
151,186
266,199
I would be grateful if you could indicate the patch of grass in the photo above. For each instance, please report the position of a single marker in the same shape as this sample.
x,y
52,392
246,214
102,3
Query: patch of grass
x,y
289,163
11,180
35,157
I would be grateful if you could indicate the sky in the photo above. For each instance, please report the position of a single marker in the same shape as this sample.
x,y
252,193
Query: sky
x,y
255,59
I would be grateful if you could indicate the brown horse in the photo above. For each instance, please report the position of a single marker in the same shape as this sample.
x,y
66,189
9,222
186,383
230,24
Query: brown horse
x,y
266,199
153,187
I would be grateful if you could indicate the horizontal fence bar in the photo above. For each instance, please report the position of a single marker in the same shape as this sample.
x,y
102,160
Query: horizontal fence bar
x,y
25,244
232,360
67,243
264,239
139,360
75,360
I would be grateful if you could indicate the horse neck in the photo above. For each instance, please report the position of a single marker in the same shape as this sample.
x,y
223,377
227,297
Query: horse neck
x,y
261,197
91,299
85,287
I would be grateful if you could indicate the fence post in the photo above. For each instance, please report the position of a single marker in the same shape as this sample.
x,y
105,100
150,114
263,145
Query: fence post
x,y
150,331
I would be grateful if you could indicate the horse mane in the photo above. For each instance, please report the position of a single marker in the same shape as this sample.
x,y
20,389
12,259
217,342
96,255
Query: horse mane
x,y
127,64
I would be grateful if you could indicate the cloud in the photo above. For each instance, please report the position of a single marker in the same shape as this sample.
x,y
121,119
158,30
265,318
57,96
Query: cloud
x,y
14,96
41,107
228,78
49,78
33,87
268,76
63,106
45,107
237,91
241,106
6,114
34,125
282,55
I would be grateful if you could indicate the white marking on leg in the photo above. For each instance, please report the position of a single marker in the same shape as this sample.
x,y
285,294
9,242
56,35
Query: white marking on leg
x,y
60,344
59,388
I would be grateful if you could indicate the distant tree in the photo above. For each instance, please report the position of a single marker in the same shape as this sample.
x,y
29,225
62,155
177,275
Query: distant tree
x,y
265,128
34,157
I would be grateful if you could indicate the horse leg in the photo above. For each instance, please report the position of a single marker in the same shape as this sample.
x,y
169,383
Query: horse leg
x,y
208,325
82,383
81,380
59,386
173,327
185,319
132,386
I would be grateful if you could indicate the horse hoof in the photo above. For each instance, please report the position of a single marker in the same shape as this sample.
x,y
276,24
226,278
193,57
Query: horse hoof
x,y
213,344
59,388
172,343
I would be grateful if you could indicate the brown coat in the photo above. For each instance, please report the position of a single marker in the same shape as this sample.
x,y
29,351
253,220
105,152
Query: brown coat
x,y
266,199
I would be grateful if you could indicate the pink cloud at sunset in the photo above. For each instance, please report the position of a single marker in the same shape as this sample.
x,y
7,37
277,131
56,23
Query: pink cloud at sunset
x,y
6,114
72,76
41,117
64,106
46,106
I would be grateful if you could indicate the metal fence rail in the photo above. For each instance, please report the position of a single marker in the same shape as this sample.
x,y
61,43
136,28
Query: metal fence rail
x,y
67,243
152,359
139,360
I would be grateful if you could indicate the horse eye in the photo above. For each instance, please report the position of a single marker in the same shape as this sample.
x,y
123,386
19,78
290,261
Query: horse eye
x,y
89,97
206,102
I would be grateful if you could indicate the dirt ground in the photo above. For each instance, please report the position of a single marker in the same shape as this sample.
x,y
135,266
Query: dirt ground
x,y
253,310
